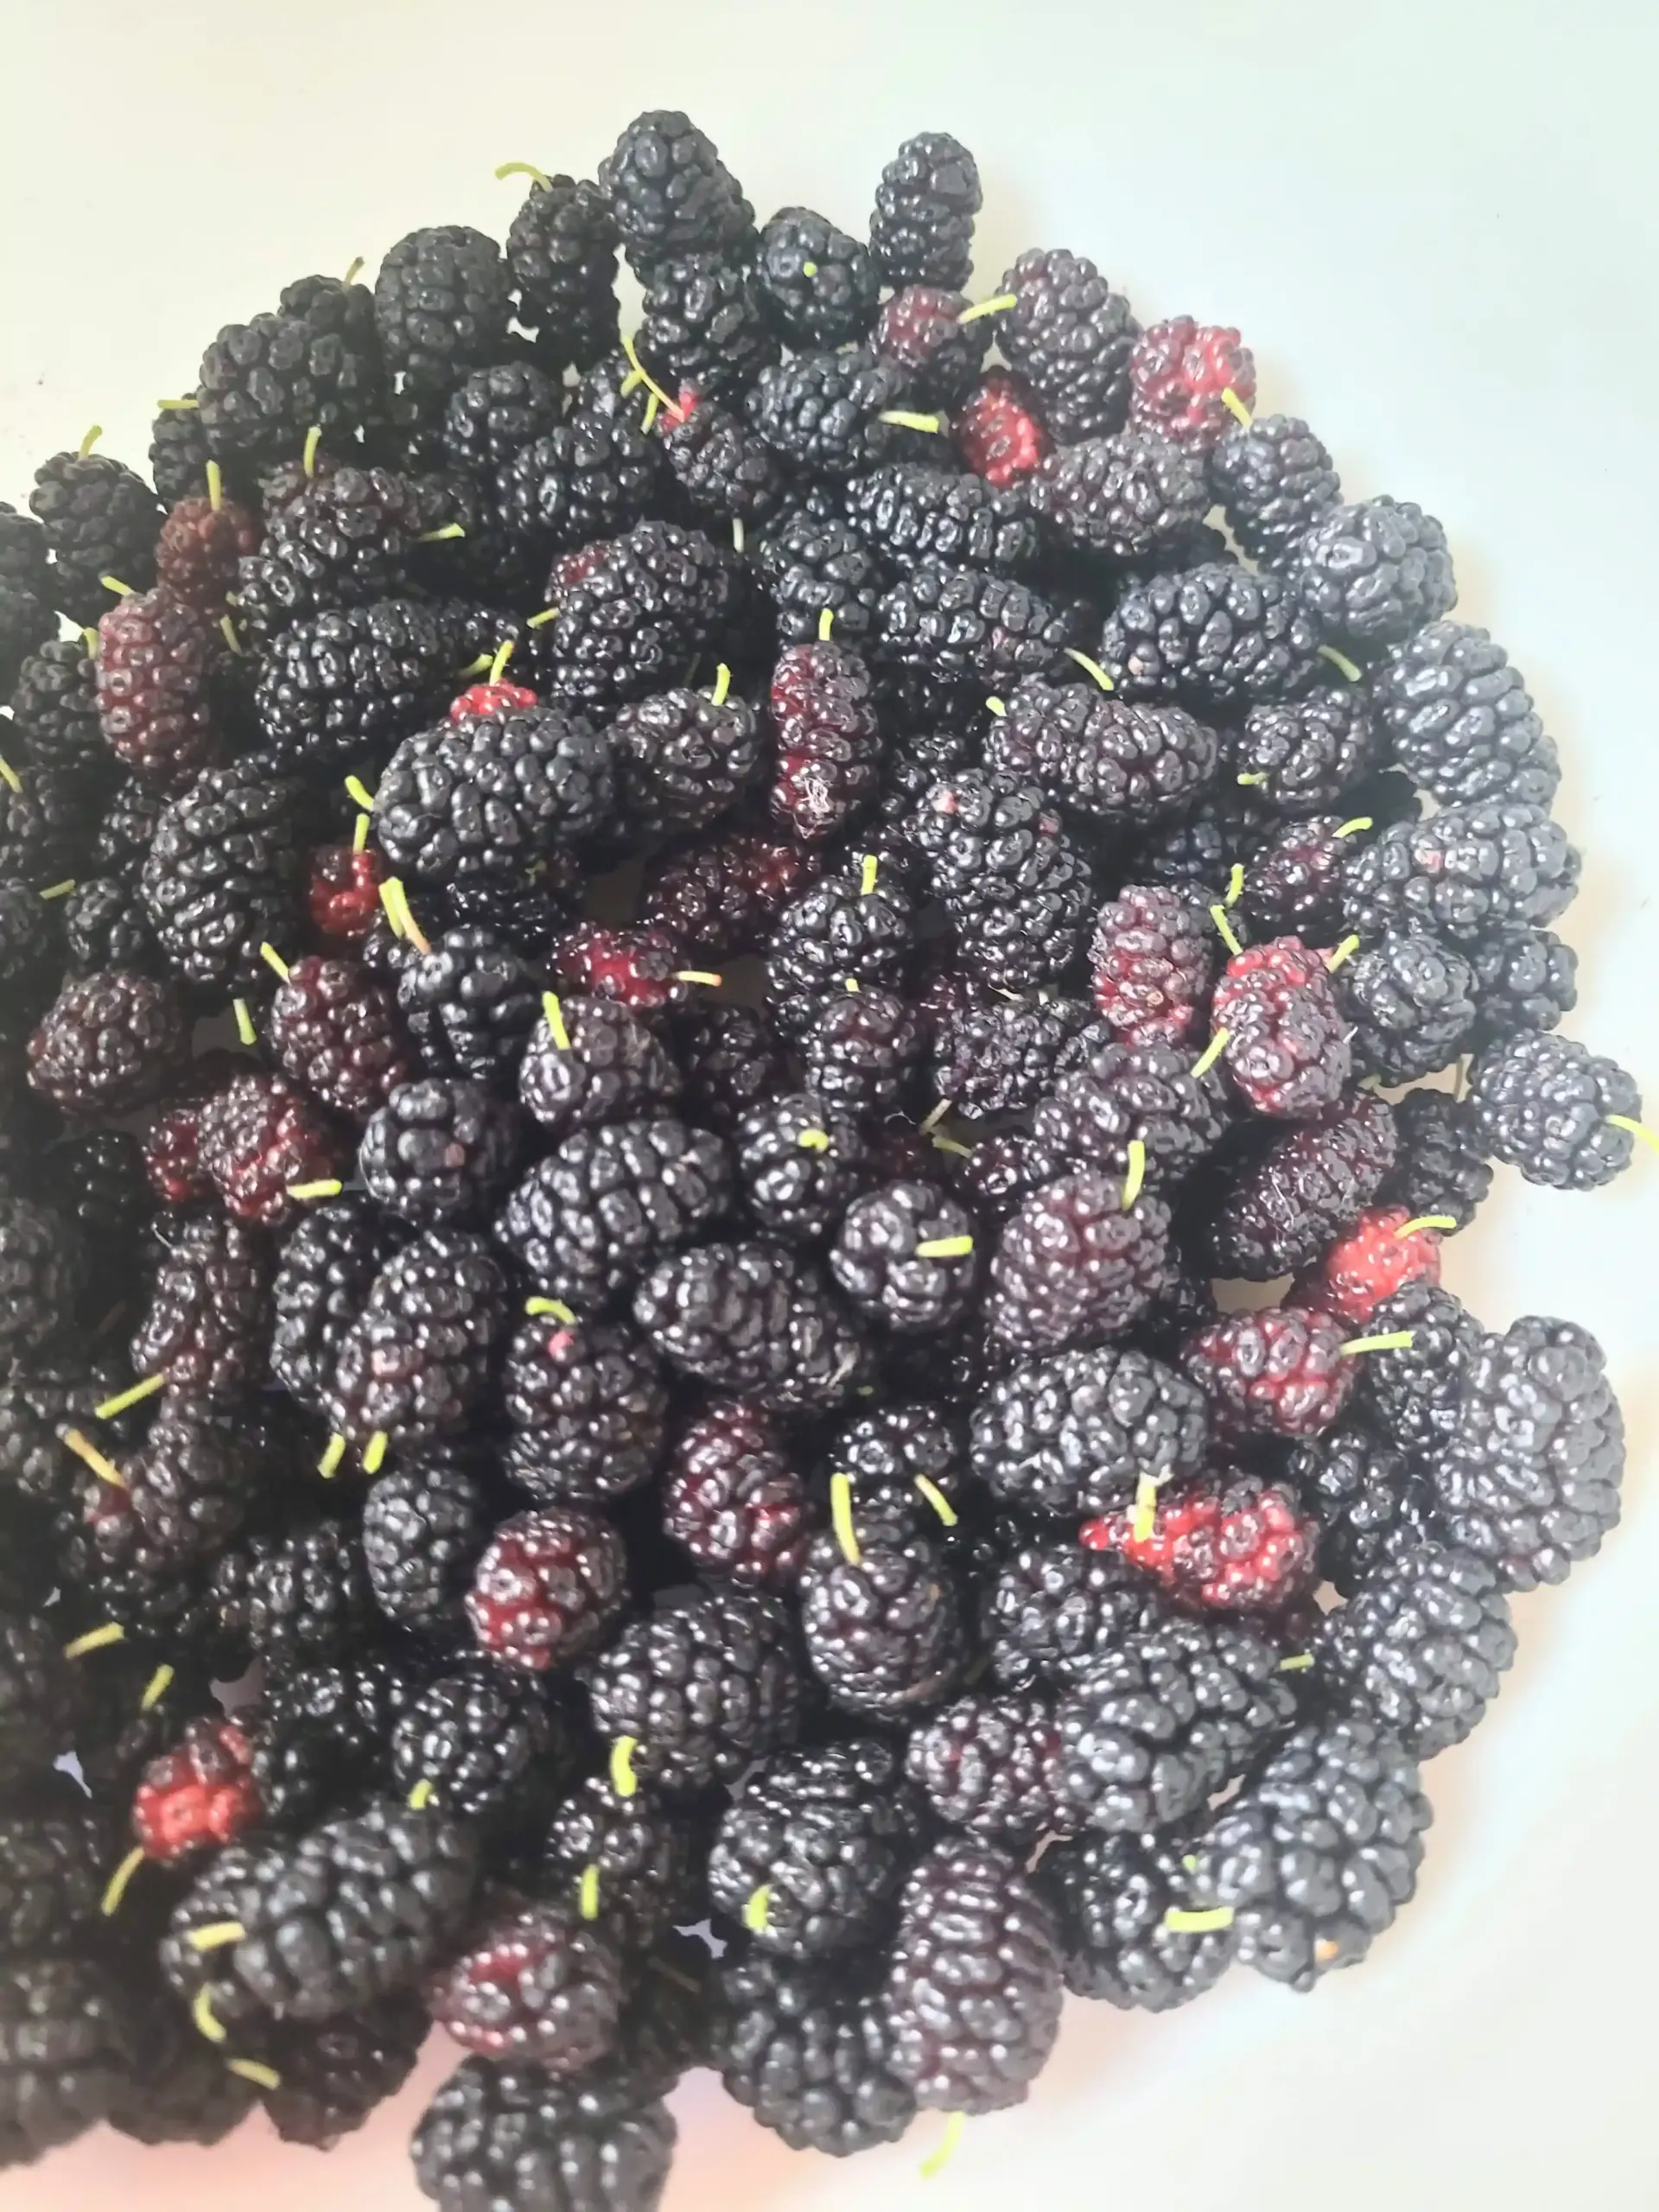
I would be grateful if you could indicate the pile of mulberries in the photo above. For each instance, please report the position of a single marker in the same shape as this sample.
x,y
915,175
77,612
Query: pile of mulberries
x,y
690,962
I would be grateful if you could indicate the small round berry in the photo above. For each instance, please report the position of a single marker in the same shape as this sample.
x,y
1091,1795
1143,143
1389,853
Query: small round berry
x,y
548,1586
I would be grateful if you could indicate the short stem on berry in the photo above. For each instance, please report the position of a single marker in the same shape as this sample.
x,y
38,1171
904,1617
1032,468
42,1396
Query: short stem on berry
x,y
1634,1128
1228,935
1212,1052
86,1450
254,2070
624,1780
937,1498
645,377
122,1399
216,1936
1091,668
110,1903
998,304
841,1518
938,2158
1137,1174
1236,407
96,1639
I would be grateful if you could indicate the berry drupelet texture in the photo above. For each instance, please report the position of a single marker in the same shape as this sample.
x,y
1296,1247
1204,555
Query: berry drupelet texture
x,y
588,1404
1530,1478
922,230
1318,1852
823,1837
734,1500
673,1380
974,1987
1074,1436
1560,1112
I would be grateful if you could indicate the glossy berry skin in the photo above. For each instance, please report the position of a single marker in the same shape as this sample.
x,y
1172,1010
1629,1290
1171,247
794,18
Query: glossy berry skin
x,y
259,1139
157,663
1152,961
1287,1048
920,328
828,744
337,1031
922,226
549,1585
437,1150
1299,1188
198,1796
1275,1373
489,699
879,1259
1075,1265
610,1066
998,433
1247,1547
1372,1261
176,1175
539,1984
974,1992
200,544
734,1499
1546,1104
1178,372
342,891
108,1042
638,967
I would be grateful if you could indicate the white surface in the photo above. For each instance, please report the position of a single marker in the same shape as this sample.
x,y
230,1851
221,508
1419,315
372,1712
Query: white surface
x,y
1438,230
